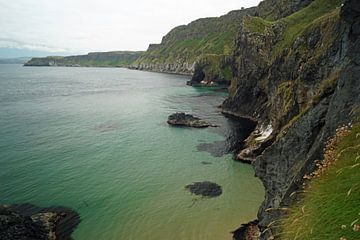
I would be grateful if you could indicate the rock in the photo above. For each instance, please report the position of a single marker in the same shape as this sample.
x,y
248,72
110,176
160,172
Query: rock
x,y
248,231
309,89
187,120
28,222
274,9
205,189
14,226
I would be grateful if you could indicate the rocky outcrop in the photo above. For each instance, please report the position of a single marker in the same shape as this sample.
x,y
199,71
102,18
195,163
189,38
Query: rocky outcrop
x,y
28,222
300,81
187,120
179,66
212,70
248,231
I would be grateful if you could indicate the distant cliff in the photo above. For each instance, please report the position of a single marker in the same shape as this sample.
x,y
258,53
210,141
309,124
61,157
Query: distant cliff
x,y
95,59
197,45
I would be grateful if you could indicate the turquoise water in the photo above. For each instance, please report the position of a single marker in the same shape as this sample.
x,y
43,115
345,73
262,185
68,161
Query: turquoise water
x,y
96,140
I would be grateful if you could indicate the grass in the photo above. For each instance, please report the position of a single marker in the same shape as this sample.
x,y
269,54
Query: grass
x,y
299,21
330,208
256,24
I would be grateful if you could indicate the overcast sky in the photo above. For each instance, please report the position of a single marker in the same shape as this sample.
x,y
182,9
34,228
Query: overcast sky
x,y
80,26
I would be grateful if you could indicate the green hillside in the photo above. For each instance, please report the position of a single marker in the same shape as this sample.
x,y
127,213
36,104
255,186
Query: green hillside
x,y
184,46
96,59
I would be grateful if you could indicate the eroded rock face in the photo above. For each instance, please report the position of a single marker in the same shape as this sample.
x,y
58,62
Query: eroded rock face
x,y
28,222
187,120
305,93
273,9
205,189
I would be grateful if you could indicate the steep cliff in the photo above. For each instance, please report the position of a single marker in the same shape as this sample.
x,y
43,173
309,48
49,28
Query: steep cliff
x,y
198,42
298,77
95,59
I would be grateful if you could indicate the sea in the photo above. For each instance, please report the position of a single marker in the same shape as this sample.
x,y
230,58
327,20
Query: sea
x,y
96,140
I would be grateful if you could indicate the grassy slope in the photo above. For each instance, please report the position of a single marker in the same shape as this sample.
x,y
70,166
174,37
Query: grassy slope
x,y
100,59
295,24
201,37
330,208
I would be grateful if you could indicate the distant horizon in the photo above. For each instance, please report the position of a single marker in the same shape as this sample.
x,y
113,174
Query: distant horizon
x,y
14,53
79,27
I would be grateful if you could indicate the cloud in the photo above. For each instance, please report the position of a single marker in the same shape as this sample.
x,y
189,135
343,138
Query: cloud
x,y
12,43
89,25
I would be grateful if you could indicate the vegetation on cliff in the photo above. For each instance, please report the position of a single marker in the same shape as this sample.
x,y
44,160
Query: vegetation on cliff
x,y
96,59
330,205
297,75
201,40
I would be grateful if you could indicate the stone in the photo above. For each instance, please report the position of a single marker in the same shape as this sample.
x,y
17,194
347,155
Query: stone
x,y
187,120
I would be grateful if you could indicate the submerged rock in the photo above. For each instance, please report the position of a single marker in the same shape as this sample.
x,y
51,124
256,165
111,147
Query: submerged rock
x,y
29,222
205,189
187,120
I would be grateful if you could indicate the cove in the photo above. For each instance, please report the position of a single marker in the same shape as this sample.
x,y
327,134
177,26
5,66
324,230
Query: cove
x,y
96,140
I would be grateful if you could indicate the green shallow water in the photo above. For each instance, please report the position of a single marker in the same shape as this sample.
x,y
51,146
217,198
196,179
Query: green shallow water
x,y
96,140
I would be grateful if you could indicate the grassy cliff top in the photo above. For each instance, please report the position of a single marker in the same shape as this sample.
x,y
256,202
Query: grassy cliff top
x,y
214,35
295,24
93,59
330,208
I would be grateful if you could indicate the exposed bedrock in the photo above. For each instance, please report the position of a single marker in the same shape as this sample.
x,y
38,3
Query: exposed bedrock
x,y
299,94
187,120
28,222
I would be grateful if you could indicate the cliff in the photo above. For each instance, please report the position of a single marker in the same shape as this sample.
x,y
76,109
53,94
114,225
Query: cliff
x,y
201,42
95,59
296,73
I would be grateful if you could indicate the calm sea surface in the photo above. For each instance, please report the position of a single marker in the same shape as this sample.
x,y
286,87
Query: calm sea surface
x,y
96,140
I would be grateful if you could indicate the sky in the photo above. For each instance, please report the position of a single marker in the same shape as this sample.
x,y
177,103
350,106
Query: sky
x,y
81,26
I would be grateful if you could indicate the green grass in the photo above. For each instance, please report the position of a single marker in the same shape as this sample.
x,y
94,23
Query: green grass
x,y
331,202
101,59
256,24
299,21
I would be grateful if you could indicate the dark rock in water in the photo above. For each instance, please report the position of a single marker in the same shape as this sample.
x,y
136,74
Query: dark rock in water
x,y
247,231
187,120
15,226
28,222
206,163
206,189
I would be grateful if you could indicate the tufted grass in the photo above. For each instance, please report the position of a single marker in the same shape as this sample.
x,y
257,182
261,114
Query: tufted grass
x,y
299,21
256,24
330,207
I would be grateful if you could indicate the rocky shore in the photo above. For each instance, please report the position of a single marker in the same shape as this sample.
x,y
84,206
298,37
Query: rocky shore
x,y
28,222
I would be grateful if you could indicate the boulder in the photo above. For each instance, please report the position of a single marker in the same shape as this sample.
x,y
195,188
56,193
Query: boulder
x,y
187,120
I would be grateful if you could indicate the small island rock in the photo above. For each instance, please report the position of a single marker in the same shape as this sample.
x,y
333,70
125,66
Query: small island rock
x,y
187,120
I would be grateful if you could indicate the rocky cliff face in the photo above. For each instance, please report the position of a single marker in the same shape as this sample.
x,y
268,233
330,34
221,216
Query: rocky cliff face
x,y
298,76
185,46
274,9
